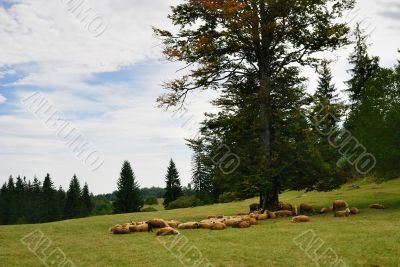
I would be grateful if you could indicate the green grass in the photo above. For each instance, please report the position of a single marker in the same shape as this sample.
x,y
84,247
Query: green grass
x,y
371,238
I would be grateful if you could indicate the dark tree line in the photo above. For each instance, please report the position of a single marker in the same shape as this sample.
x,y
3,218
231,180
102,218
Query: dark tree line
x,y
23,201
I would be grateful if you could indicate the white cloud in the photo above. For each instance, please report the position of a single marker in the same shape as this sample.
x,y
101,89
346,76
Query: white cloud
x,y
55,53
2,99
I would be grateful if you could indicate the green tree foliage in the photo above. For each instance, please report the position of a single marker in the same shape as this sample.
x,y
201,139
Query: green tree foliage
x,y
326,114
73,202
128,198
86,200
376,121
173,188
254,44
364,67
202,180
25,202
151,200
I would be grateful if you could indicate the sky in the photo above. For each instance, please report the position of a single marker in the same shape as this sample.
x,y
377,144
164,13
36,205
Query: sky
x,y
103,73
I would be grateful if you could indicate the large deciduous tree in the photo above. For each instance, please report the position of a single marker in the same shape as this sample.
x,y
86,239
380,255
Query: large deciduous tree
x,y
227,42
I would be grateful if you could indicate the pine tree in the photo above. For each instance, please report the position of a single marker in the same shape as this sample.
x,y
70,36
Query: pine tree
x,y
364,67
19,198
87,201
173,188
327,112
128,198
50,208
61,199
201,173
4,205
73,203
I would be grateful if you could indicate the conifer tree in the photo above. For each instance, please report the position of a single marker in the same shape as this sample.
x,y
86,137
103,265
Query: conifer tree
x,y
364,67
173,188
49,197
73,203
128,198
86,201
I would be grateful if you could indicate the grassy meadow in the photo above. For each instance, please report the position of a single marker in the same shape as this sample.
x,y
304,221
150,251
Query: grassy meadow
x,y
371,238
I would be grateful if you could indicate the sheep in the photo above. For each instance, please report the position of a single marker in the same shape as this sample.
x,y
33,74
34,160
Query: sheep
x,y
283,213
342,213
306,209
271,215
300,219
167,231
249,219
157,223
339,204
232,221
241,224
217,226
326,210
254,207
211,217
285,206
173,223
206,225
189,225
121,231
354,211
263,216
140,228
377,206
115,226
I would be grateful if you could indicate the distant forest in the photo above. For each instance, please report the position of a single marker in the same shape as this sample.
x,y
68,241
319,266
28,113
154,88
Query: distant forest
x,y
24,201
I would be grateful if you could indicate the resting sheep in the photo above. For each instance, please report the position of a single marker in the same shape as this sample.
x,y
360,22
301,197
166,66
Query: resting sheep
x,y
306,209
217,226
140,228
326,210
377,206
300,219
339,204
173,223
241,224
285,206
354,211
271,215
157,223
342,213
167,231
189,225
283,213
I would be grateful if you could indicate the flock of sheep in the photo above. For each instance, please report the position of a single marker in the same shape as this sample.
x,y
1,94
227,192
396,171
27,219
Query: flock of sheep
x,y
339,208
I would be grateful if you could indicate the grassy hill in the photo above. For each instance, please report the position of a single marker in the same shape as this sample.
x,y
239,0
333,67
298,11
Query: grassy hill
x,y
371,238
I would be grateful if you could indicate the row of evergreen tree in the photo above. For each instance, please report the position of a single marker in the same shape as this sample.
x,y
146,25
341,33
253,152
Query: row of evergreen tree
x,y
23,201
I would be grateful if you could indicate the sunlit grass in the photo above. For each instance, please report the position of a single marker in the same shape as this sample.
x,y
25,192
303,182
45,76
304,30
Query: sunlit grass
x,y
371,238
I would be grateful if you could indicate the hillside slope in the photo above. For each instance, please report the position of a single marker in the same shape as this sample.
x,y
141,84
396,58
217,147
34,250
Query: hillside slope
x,y
371,238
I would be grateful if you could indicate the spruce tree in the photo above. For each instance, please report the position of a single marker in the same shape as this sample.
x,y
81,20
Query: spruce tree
x,y
364,67
327,112
86,201
61,198
173,188
49,197
128,198
4,205
19,198
73,203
